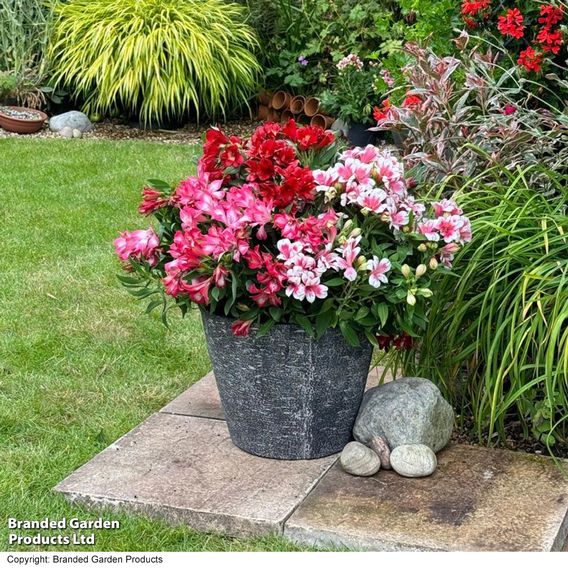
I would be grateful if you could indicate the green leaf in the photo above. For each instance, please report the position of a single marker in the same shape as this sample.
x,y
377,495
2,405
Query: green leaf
x,y
349,333
382,311
362,312
159,185
305,323
265,328
334,282
323,322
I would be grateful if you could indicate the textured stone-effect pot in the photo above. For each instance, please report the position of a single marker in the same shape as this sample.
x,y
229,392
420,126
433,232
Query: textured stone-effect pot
x,y
285,395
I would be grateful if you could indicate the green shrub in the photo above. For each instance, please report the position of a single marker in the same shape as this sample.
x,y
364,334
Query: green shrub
x,y
324,31
497,340
23,34
154,58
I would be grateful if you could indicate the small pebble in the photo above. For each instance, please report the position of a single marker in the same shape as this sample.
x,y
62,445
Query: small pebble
x,y
357,459
77,133
413,460
66,132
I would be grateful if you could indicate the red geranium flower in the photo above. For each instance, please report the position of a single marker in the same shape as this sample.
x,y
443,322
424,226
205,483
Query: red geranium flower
x,y
550,40
411,101
509,110
380,114
530,59
474,7
550,15
512,24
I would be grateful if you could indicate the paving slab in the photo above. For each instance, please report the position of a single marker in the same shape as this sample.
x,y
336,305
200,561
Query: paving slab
x,y
202,398
185,469
479,499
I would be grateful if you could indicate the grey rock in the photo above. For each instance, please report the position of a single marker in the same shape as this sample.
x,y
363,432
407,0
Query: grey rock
x,y
413,460
72,119
286,395
406,411
381,448
360,460
66,132
77,133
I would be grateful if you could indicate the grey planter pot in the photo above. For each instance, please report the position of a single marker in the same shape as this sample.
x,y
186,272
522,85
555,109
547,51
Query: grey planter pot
x,y
285,395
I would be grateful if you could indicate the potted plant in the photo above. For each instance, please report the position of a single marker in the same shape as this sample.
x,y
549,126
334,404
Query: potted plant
x,y
351,97
298,272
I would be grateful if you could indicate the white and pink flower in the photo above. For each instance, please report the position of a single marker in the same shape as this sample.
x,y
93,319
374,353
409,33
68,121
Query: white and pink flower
x,y
378,271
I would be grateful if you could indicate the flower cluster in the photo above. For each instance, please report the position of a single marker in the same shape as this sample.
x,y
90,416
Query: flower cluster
x,y
350,60
535,29
261,236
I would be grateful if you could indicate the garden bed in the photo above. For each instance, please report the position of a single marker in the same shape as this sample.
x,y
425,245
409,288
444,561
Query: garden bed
x,y
114,129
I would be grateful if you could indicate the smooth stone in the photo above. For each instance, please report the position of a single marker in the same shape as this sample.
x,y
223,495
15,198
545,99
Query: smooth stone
x,y
360,460
72,119
66,132
381,448
77,133
413,460
410,410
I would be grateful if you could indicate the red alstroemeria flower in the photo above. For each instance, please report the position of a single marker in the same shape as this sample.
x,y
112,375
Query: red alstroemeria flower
x,y
512,24
530,59
241,328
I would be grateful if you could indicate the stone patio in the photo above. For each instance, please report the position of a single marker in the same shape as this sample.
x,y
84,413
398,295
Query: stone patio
x,y
180,465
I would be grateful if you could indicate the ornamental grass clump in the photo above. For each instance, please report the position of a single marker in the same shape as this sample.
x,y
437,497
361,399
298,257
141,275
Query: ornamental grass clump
x,y
497,340
154,59
277,229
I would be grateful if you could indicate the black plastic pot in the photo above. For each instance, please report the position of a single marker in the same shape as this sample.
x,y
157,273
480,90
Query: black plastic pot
x,y
285,395
359,135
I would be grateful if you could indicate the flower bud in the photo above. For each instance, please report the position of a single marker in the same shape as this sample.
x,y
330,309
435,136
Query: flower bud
x,y
411,299
347,226
425,292
355,232
433,263
361,263
421,269
365,211
342,240
422,247
406,271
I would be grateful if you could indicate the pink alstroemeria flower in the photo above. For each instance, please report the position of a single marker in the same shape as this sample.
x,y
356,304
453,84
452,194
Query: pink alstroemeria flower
x,y
378,270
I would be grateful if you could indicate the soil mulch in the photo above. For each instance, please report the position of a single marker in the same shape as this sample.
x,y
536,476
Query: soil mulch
x,y
515,441
117,130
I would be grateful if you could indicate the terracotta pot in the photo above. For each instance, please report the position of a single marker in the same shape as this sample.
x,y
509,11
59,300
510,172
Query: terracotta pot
x,y
286,115
303,119
281,100
20,125
262,113
312,106
273,115
297,104
321,121
264,98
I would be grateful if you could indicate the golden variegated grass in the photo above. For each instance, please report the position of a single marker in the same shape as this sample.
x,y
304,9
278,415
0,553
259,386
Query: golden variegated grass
x,y
154,58
497,341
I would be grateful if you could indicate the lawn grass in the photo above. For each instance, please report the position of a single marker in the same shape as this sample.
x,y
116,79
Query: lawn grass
x,y
80,364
